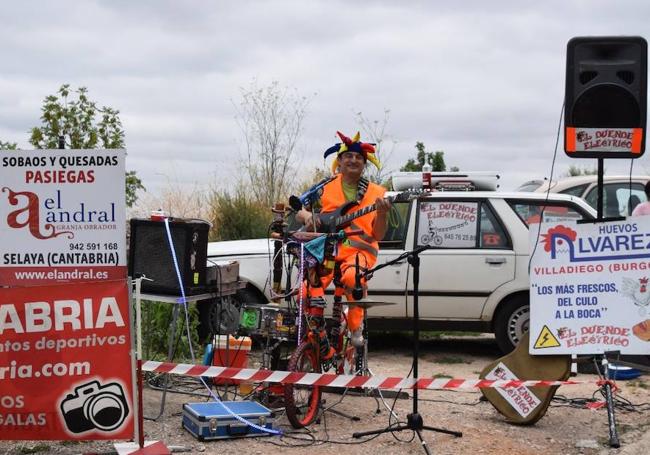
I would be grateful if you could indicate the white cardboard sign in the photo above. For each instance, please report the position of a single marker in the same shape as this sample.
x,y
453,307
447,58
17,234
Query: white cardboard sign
x,y
520,398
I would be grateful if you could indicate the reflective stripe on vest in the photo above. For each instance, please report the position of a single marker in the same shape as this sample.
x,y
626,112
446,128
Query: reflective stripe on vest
x,y
363,236
362,246
365,242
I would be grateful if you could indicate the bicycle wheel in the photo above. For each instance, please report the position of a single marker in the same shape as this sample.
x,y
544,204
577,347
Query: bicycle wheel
x,y
302,401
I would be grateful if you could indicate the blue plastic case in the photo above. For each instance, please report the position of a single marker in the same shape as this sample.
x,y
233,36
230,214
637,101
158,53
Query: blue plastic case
x,y
210,420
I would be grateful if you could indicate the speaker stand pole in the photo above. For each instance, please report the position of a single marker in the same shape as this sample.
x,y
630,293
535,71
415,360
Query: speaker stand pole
x,y
606,389
414,420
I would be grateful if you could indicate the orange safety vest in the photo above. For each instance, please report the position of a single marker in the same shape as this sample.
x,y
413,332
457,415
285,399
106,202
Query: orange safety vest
x,y
333,198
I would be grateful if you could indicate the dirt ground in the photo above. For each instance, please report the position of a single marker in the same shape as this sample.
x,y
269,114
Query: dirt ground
x,y
567,428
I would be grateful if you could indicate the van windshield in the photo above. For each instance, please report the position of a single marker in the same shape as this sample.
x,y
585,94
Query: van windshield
x,y
530,186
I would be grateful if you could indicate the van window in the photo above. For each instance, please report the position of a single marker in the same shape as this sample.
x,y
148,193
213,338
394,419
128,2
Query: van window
x,y
448,223
460,224
576,190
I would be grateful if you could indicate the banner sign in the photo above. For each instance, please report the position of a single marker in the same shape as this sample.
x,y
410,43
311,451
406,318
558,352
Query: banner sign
x,y
589,288
447,224
62,216
65,364
604,140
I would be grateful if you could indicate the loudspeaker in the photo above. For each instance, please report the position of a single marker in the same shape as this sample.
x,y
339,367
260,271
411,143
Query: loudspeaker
x,y
150,255
605,97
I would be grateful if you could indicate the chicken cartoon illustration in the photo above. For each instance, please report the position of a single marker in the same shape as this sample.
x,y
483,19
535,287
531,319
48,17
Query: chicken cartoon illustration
x,y
637,290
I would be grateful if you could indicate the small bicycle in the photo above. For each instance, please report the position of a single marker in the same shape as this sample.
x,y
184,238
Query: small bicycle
x,y
303,402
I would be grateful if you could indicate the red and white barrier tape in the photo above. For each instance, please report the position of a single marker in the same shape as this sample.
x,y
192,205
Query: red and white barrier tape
x,y
334,380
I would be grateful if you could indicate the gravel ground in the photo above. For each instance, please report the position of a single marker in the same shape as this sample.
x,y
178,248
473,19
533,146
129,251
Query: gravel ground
x,y
563,430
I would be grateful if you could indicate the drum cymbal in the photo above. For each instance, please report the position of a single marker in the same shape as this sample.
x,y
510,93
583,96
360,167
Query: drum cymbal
x,y
365,303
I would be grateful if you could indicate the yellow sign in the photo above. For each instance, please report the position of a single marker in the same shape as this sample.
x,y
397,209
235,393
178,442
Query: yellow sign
x,y
546,339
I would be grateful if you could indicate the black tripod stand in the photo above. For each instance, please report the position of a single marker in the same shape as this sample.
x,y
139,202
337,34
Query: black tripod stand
x,y
414,420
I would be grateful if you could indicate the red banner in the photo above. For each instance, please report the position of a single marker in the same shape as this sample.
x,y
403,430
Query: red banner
x,y
65,364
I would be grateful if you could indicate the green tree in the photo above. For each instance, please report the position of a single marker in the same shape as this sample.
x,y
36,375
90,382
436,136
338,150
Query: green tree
x,y
82,125
575,171
436,160
133,184
8,145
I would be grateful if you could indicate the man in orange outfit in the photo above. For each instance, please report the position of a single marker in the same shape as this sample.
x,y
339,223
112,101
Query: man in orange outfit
x,y
348,185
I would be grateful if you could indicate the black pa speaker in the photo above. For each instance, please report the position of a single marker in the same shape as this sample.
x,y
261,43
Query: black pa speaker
x,y
605,97
150,255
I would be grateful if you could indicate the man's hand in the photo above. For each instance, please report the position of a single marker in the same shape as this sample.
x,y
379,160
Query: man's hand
x,y
307,219
382,205
379,227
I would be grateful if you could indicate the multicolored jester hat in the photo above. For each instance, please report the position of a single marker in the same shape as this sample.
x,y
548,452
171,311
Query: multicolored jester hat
x,y
352,145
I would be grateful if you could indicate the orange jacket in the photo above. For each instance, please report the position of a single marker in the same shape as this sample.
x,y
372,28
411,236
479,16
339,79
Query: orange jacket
x,y
333,198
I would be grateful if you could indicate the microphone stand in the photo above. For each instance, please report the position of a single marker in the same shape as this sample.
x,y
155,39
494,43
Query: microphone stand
x,y
414,421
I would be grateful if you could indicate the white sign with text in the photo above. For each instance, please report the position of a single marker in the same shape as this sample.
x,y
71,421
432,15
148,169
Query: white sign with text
x,y
62,216
589,288
447,224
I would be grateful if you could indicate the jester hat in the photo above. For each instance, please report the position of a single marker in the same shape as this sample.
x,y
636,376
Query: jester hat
x,y
366,149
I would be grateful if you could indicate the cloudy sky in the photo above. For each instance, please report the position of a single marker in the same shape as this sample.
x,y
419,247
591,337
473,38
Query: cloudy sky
x,y
481,80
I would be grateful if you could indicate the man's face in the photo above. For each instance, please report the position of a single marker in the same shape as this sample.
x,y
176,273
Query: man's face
x,y
351,163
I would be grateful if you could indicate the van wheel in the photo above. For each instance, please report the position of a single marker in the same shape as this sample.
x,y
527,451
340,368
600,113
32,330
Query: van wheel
x,y
512,321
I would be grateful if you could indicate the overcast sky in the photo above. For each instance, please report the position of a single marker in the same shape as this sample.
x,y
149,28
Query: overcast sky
x,y
481,80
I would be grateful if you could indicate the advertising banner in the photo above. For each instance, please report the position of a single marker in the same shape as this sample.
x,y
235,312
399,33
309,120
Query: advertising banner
x,y
447,224
589,287
65,364
62,216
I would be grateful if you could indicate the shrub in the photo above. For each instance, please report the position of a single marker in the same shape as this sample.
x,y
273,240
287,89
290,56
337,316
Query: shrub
x,y
156,321
237,216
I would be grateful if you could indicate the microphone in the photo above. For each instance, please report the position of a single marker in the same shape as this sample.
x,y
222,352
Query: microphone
x,y
309,196
357,292
294,203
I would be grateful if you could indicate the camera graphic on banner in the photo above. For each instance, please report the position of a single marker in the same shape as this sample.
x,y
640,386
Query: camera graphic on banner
x,y
95,407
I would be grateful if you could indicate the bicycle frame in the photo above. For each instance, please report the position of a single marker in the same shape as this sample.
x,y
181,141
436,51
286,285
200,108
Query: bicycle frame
x,y
303,410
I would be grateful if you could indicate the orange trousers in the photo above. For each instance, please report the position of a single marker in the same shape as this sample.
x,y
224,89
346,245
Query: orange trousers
x,y
348,278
